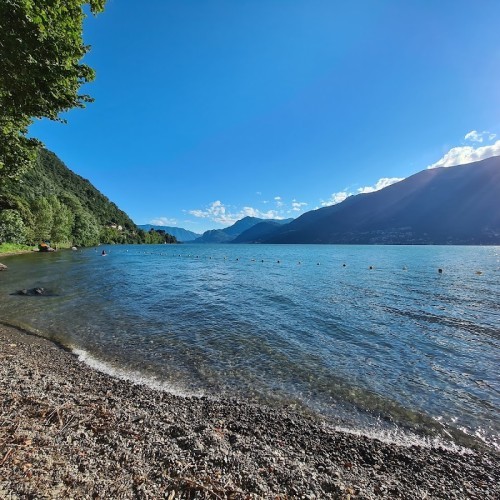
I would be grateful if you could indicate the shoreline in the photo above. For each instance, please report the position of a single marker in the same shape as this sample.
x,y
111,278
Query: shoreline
x,y
68,430
20,252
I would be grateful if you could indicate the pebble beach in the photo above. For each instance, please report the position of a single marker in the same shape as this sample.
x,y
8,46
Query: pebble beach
x,y
68,431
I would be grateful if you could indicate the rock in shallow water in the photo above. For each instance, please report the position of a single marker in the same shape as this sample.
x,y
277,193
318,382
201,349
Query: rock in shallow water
x,y
34,292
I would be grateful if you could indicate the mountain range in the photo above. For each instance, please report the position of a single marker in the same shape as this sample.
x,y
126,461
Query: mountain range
x,y
239,229
457,205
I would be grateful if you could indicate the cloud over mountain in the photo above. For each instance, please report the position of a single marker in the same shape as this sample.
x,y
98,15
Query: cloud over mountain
x,y
461,155
380,184
221,214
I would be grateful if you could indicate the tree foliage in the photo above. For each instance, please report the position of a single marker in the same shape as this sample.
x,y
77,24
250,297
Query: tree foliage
x,y
41,47
12,229
43,218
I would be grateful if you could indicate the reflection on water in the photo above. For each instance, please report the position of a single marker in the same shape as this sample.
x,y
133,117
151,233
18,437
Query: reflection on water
x,y
395,344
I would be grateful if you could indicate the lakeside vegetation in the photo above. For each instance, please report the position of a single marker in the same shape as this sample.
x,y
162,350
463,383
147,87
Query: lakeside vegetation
x,y
41,48
8,248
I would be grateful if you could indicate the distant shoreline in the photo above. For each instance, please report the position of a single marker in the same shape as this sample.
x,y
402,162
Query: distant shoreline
x,y
69,430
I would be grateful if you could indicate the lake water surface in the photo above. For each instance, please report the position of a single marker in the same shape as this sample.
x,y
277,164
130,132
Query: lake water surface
x,y
398,350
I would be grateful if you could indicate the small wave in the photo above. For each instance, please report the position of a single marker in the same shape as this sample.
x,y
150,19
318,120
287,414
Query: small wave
x,y
133,376
396,436
404,439
483,436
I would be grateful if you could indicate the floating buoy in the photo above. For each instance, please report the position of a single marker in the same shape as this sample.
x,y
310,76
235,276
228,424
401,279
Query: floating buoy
x,y
343,265
278,261
371,267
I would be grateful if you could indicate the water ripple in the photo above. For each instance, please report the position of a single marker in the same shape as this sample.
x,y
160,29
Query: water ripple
x,y
395,345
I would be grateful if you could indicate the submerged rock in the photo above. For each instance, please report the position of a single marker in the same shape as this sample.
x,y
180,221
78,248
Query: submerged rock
x,y
32,292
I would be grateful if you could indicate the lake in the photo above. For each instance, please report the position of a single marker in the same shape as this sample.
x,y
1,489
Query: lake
x,y
372,338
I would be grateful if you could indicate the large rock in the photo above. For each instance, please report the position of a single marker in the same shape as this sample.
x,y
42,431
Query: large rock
x,y
3,267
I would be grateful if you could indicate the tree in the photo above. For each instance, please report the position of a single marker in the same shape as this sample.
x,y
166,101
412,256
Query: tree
x,y
12,228
41,47
62,222
85,230
43,216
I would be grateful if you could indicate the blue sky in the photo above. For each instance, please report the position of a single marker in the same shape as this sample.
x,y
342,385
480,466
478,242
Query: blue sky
x,y
206,111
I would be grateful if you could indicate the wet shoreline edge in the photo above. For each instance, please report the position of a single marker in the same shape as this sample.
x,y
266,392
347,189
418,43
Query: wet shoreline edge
x,y
69,430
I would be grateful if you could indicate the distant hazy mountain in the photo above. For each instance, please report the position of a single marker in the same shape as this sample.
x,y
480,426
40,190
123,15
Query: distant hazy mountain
x,y
228,234
180,233
261,231
454,205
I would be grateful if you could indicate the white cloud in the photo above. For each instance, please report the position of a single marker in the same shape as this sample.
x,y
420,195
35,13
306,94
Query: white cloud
x,y
297,205
475,136
218,212
163,221
278,201
467,154
255,212
380,184
335,198
340,196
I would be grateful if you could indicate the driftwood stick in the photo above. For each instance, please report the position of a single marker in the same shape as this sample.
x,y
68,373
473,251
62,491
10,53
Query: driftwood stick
x,y
66,424
48,419
6,456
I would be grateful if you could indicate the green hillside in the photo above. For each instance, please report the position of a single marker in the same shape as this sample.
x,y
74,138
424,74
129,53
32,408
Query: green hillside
x,y
50,202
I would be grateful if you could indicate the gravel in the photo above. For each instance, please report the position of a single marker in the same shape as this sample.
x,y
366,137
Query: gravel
x,y
68,431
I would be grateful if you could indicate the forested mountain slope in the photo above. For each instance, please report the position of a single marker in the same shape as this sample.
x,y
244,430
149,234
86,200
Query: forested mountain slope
x,y
50,202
